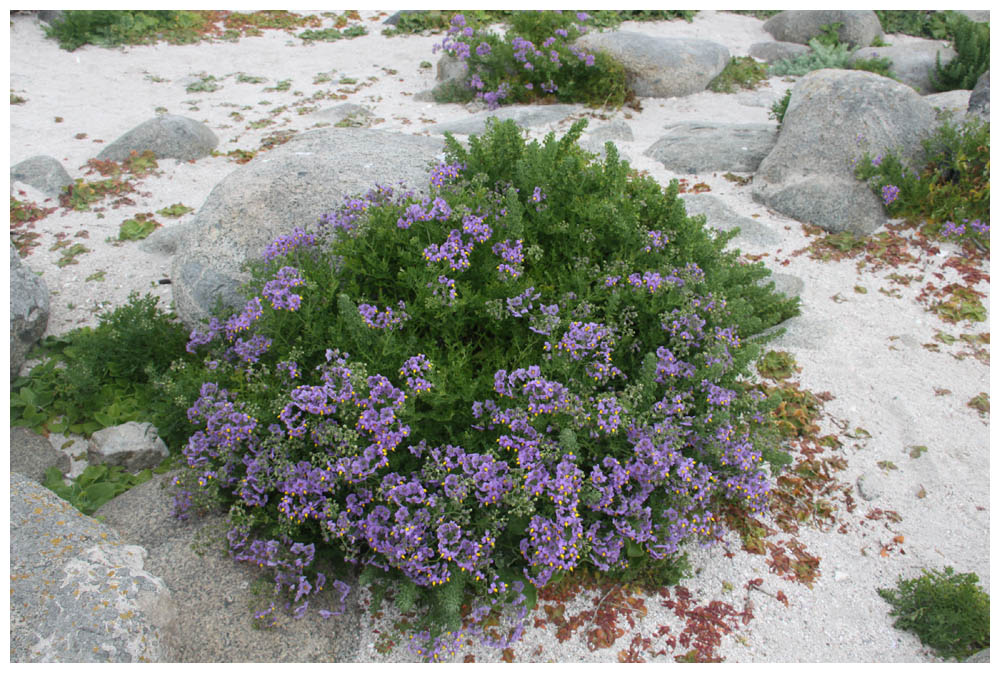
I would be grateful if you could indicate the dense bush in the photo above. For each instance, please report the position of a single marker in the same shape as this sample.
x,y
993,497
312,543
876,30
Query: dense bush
x,y
743,72
828,55
98,377
949,613
950,192
537,367
534,60
972,44
919,23
108,28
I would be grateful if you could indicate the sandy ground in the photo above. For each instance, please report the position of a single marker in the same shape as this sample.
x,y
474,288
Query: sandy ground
x,y
868,349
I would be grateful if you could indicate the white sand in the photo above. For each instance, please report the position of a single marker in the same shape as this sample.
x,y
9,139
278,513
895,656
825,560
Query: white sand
x,y
866,351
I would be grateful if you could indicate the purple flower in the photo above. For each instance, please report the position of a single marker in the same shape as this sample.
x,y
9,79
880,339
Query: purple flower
x,y
561,32
877,160
890,193
483,49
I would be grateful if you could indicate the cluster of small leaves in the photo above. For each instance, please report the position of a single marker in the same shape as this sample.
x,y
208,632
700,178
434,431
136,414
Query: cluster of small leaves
x,y
23,216
779,107
972,44
936,25
534,60
137,227
533,368
827,51
332,34
777,365
950,192
743,72
82,194
949,612
17,100
437,21
98,484
92,378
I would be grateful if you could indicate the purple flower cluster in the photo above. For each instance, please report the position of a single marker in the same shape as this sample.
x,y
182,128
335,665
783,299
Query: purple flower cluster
x,y
445,289
282,245
444,172
277,290
512,255
345,217
523,303
952,229
413,369
889,194
454,250
387,319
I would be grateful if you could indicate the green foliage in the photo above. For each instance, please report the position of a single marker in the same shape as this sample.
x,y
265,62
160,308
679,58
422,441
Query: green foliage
x,y
777,365
110,28
81,194
605,251
981,403
17,100
499,71
972,43
879,66
437,21
175,210
952,188
949,612
743,72
205,84
780,107
97,377
829,34
919,23
97,484
138,227
820,56
23,216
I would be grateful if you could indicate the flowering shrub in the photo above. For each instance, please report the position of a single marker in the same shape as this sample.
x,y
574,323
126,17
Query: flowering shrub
x,y
534,60
534,368
950,193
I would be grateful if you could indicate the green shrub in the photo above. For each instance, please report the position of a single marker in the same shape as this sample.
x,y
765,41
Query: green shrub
x,y
515,375
950,193
972,44
109,28
743,72
534,61
919,23
780,107
950,613
820,56
98,377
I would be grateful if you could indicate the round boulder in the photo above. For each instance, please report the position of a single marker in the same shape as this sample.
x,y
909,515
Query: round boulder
x,y
42,172
168,137
858,27
287,187
661,67
833,118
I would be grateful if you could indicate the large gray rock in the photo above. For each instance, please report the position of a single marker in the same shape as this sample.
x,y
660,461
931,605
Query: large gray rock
x,y
32,455
168,137
218,593
859,27
617,130
832,118
78,593
134,446
43,173
912,63
526,116
289,186
29,311
772,52
979,101
661,67
721,217
698,147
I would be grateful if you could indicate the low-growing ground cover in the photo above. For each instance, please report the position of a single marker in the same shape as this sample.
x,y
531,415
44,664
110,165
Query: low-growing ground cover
x,y
537,367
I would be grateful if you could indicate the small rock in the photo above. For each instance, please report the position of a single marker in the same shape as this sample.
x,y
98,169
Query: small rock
x,y
870,487
42,172
134,446
979,100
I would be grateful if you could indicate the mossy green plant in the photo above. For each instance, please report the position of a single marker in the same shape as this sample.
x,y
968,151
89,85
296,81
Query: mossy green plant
x,y
741,72
949,612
